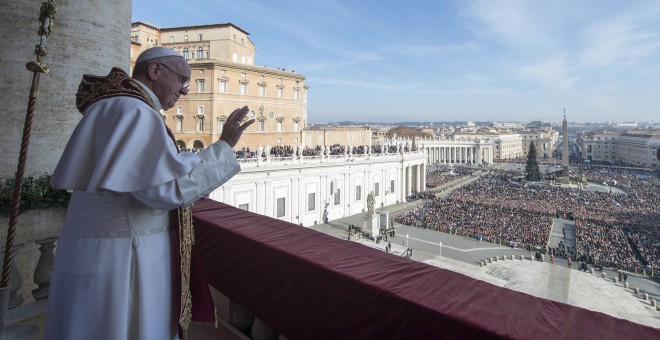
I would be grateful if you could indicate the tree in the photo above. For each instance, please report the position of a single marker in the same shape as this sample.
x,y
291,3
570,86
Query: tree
x,y
532,169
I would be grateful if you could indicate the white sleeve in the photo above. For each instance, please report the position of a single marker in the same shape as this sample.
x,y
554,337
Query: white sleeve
x,y
218,165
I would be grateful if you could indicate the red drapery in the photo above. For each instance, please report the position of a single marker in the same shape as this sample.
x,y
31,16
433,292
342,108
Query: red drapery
x,y
308,285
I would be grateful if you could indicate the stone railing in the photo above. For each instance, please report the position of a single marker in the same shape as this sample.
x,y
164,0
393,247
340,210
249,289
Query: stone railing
x,y
29,278
295,159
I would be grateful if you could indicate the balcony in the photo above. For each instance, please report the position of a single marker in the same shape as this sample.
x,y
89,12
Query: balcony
x,y
303,284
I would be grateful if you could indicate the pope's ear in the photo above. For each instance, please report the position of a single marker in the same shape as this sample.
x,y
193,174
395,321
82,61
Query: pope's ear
x,y
153,70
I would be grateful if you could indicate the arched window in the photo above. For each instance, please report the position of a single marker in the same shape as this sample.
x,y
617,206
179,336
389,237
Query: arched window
x,y
200,53
186,53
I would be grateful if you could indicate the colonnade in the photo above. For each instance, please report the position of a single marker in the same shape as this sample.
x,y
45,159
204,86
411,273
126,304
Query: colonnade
x,y
459,154
414,178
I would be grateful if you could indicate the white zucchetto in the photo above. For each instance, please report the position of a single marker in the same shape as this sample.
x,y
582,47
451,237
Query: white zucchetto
x,y
157,52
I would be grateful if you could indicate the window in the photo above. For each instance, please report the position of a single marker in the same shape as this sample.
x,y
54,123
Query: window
x,y
179,124
244,206
200,85
223,86
200,37
391,186
243,59
234,57
200,110
200,124
243,88
200,53
179,111
185,37
311,201
280,92
186,53
262,125
279,125
221,124
296,94
295,125
281,203
262,90
171,39
242,41
358,193
376,189
338,197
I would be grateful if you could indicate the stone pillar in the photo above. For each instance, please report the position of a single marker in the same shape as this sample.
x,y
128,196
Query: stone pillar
x,y
15,284
371,225
408,181
87,37
44,268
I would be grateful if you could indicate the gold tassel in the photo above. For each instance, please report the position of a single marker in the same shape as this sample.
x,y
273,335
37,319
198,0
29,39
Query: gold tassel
x,y
187,235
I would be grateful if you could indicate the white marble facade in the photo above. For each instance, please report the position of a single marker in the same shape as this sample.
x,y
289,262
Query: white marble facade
x,y
306,190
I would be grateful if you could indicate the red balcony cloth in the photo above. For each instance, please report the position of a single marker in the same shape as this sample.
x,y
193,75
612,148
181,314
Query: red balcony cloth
x,y
308,285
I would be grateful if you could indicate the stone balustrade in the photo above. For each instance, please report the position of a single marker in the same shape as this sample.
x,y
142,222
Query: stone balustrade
x,y
272,161
36,236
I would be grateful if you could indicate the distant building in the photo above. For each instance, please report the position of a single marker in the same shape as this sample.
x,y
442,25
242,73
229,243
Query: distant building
x,y
225,77
544,141
634,147
508,125
507,145
537,124
628,125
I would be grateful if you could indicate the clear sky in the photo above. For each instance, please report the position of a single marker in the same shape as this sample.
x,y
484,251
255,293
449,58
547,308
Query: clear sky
x,y
435,60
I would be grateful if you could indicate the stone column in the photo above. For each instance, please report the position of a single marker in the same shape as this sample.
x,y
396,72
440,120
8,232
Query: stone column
x,y
87,37
408,181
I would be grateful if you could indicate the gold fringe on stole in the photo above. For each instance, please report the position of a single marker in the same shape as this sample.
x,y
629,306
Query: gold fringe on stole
x,y
187,235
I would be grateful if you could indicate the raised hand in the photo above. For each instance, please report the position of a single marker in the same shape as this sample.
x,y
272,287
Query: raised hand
x,y
232,130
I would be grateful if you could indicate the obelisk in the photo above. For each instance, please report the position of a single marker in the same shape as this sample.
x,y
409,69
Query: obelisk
x,y
564,150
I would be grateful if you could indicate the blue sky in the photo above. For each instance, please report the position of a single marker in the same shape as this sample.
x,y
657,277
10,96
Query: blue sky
x,y
434,60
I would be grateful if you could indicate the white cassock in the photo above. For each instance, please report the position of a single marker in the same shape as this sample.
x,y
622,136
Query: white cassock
x,y
112,277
